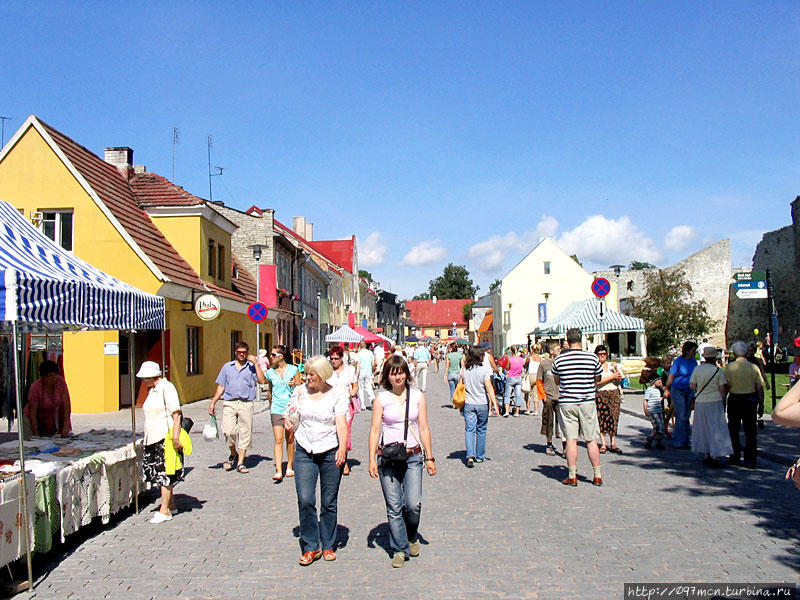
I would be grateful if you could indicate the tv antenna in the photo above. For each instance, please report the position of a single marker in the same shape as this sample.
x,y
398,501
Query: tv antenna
x,y
210,174
3,130
175,140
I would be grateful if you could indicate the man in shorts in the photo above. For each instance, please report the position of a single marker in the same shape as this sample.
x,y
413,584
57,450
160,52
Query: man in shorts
x,y
576,373
237,385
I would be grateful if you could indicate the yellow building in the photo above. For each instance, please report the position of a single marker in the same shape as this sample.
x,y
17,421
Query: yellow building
x,y
146,231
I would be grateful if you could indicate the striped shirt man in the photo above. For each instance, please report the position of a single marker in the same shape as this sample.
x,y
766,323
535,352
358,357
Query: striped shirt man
x,y
577,372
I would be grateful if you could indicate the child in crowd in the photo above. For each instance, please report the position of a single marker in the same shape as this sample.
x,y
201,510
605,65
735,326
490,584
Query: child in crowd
x,y
654,409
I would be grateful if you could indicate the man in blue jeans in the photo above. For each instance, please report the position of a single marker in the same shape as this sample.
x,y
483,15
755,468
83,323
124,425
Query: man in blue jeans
x,y
680,395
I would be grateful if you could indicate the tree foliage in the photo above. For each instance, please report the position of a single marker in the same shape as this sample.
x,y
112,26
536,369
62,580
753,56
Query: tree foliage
x,y
422,296
467,309
670,313
495,285
365,275
454,282
575,258
638,265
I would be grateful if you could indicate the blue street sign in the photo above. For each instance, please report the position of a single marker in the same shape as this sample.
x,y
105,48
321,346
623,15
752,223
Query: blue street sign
x,y
601,287
543,312
750,285
257,312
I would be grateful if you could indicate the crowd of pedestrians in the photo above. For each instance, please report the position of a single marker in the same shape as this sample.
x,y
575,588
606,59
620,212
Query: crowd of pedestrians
x,y
313,406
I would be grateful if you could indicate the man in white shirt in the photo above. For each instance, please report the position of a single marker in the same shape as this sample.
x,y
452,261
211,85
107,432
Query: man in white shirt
x,y
366,367
422,357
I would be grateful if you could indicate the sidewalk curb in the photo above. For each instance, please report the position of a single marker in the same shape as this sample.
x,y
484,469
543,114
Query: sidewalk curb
x,y
780,459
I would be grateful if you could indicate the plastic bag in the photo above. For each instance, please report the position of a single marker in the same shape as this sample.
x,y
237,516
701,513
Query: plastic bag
x,y
211,431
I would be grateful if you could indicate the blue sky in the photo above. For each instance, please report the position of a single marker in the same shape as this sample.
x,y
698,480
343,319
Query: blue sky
x,y
441,132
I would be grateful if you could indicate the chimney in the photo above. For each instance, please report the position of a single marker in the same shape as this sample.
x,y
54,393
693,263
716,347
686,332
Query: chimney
x,y
299,225
309,232
121,157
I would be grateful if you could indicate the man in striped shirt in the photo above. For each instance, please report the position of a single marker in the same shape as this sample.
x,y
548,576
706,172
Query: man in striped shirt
x,y
576,373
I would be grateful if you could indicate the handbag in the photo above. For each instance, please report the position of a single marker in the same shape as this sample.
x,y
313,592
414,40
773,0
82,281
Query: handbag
x,y
526,384
460,395
396,451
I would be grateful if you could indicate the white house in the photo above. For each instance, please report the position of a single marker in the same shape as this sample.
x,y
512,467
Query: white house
x,y
537,290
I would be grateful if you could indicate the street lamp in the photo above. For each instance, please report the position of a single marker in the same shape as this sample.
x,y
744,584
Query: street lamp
x,y
257,250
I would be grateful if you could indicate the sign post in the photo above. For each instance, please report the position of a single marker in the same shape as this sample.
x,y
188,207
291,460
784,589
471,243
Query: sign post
x,y
600,288
773,334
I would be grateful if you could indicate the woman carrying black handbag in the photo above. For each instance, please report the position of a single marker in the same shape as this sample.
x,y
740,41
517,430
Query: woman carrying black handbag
x,y
400,424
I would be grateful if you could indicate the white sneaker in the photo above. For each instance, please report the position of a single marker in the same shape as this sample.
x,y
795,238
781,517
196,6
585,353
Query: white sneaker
x,y
160,517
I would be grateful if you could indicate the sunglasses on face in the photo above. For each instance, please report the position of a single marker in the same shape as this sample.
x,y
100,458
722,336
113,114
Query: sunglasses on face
x,y
274,354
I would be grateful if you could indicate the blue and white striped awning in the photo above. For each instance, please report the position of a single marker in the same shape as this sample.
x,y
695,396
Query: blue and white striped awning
x,y
40,282
583,314
344,334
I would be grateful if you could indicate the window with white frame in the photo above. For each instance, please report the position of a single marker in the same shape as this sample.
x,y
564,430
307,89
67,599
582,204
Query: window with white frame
x,y
57,225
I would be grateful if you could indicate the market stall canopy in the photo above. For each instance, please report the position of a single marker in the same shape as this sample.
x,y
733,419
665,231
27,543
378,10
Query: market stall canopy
x,y
369,337
344,335
583,314
40,282
412,338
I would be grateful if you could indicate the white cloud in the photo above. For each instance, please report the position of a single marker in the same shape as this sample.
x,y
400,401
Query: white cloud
x,y
602,241
679,237
490,254
547,227
424,253
372,251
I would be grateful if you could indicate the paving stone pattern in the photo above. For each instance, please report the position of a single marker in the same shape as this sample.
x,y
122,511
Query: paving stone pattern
x,y
505,529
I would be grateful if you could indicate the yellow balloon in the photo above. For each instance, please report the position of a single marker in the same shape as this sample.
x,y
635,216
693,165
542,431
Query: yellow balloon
x,y
755,331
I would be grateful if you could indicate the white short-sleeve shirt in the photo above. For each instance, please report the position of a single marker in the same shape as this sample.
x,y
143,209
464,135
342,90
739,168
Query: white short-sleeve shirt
x,y
316,430
161,402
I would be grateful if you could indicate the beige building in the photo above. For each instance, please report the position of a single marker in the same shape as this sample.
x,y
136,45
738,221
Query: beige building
x,y
536,291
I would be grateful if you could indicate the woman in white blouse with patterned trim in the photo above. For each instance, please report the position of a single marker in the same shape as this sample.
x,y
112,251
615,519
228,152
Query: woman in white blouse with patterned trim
x,y
317,414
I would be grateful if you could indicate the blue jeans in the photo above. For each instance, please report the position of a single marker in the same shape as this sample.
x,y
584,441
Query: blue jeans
x,y
681,400
452,380
402,492
307,469
476,417
516,384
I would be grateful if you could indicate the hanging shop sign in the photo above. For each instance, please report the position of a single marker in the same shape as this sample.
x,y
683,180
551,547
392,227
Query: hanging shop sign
x,y
207,307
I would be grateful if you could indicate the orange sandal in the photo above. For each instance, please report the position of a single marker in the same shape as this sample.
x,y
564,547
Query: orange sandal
x,y
309,557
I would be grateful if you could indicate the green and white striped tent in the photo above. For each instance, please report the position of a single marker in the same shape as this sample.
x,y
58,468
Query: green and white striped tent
x,y
583,314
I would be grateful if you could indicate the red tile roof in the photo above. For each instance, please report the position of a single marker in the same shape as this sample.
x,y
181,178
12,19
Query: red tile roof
x,y
152,189
443,313
339,251
116,193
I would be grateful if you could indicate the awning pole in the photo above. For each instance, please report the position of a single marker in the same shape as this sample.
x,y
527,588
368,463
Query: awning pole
x,y
23,484
132,371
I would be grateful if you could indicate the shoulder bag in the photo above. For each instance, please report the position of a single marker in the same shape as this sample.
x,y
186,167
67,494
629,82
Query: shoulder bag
x,y
460,395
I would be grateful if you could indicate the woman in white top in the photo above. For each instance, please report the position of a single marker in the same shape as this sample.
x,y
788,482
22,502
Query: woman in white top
x,y
401,480
710,434
317,414
345,377
162,411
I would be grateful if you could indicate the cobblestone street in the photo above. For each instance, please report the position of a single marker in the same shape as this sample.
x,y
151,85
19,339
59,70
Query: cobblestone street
x,y
505,529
